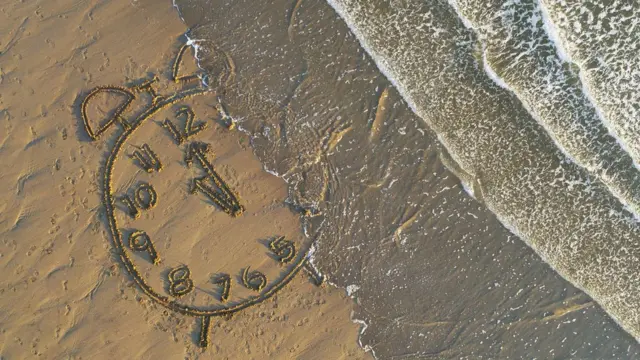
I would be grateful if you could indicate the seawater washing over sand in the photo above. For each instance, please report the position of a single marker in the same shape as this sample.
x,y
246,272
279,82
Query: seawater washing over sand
x,y
563,206
544,145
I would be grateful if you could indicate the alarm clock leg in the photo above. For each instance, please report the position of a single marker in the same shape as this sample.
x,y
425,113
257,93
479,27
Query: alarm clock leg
x,y
316,278
205,325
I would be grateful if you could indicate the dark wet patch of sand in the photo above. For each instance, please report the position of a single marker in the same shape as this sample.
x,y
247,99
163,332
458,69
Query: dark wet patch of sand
x,y
433,272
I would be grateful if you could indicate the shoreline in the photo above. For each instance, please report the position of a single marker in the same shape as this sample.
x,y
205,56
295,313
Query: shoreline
x,y
67,294
400,231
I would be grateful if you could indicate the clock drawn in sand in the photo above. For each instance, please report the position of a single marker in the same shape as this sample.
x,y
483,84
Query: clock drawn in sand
x,y
179,226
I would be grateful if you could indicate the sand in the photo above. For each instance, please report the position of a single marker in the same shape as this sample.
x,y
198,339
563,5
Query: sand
x,y
433,271
65,292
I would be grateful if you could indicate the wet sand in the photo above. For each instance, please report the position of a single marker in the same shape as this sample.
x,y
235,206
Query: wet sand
x,y
431,271
434,273
65,293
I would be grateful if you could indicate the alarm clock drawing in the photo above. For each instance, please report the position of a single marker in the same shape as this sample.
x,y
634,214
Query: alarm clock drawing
x,y
161,186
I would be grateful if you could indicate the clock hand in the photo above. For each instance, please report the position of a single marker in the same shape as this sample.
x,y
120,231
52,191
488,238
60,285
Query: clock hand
x,y
231,209
198,151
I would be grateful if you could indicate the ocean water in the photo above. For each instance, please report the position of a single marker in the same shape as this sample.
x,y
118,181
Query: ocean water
x,y
472,164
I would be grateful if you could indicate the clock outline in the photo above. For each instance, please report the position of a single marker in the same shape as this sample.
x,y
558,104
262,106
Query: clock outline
x,y
296,260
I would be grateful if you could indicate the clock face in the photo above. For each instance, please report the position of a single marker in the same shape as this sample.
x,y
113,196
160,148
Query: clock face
x,y
178,205
193,228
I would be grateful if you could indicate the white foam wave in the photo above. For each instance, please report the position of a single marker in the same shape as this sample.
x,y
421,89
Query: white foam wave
x,y
553,33
399,65
562,133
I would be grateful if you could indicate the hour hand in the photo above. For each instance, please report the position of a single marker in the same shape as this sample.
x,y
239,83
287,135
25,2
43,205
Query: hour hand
x,y
223,196
227,205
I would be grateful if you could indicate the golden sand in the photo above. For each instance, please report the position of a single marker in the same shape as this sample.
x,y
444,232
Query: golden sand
x,y
136,270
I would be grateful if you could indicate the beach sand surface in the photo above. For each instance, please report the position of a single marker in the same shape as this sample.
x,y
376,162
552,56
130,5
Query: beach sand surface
x,y
64,294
